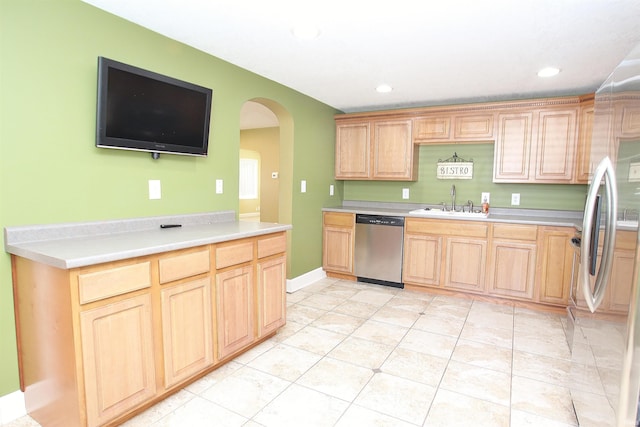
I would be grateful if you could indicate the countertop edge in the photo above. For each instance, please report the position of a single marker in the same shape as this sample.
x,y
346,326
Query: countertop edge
x,y
87,250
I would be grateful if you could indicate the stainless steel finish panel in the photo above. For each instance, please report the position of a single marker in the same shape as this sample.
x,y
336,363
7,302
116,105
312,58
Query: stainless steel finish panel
x,y
378,252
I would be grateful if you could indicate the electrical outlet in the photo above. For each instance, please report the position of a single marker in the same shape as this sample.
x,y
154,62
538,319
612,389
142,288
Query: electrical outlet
x,y
331,190
515,199
485,196
405,193
218,186
155,191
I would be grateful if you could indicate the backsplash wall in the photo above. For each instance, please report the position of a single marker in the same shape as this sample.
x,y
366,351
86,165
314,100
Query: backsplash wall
x,y
430,190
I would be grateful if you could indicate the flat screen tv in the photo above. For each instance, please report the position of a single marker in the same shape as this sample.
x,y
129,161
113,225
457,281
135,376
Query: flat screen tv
x,y
145,111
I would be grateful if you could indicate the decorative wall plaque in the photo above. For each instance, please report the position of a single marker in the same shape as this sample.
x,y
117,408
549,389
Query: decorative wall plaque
x,y
454,168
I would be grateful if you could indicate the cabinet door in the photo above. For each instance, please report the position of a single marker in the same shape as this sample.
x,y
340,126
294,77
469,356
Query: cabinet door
x,y
476,127
465,264
583,167
393,150
555,145
272,275
513,147
186,329
513,269
337,249
618,293
422,257
117,351
352,150
235,308
437,128
555,265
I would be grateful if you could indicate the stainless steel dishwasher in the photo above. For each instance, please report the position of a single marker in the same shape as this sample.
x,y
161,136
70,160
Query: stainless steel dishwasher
x,y
378,249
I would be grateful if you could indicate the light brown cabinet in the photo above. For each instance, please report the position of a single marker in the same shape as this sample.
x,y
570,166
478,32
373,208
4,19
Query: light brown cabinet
x,y
536,146
512,260
555,263
375,150
445,254
584,167
235,309
99,343
338,234
447,128
117,355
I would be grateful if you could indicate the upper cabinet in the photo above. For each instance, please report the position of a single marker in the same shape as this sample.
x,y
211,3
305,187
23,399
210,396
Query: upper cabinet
x,y
369,149
536,141
446,128
537,146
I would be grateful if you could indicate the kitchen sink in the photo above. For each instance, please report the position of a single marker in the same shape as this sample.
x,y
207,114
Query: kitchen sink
x,y
439,213
627,223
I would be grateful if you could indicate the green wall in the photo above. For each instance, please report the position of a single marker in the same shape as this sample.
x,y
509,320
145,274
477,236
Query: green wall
x,y
50,170
430,190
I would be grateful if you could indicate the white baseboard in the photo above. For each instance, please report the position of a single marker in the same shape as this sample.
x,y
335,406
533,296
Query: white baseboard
x,y
12,407
305,280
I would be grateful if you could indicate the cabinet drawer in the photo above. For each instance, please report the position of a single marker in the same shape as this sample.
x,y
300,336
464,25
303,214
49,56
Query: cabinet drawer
x,y
114,281
272,245
446,228
515,232
432,128
339,219
234,253
184,265
479,126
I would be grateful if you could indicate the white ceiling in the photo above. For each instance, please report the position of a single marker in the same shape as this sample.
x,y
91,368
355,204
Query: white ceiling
x,y
430,51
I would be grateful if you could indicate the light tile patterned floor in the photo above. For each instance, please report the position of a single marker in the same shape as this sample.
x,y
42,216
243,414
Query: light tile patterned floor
x,y
354,354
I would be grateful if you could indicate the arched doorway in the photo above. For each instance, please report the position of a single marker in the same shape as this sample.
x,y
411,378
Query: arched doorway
x,y
266,133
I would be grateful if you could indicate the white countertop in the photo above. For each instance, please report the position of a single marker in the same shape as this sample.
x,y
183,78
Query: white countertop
x,y
146,238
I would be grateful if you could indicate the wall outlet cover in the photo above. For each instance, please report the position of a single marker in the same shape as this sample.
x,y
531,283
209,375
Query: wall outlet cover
x,y
485,196
515,199
219,186
405,193
155,190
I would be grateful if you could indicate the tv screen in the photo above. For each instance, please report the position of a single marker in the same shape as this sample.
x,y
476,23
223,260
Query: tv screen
x,y
145,111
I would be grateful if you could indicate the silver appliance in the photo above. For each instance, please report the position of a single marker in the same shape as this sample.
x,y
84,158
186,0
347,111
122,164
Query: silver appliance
x,y
378,249
605,344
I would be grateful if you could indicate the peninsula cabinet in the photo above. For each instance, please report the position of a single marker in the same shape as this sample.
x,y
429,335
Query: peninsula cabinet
x,y
375,150
338,239
99,344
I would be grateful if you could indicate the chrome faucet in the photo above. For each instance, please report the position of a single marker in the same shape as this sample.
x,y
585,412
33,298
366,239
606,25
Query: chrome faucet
x,y
453,197
470,204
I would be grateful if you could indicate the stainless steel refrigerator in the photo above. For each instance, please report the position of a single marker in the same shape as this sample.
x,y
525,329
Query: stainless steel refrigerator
x,y
603,328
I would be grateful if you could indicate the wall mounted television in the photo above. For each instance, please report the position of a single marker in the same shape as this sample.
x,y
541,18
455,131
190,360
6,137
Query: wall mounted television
x,y
146,111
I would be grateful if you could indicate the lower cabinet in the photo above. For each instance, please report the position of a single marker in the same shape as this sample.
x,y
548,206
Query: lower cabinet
x,y
338,234
235,310
422,259
465,264
187,337
513,260
555,264
98,343
118,358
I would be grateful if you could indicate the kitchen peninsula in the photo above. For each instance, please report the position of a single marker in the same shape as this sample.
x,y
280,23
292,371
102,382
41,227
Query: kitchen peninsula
x,y
113,316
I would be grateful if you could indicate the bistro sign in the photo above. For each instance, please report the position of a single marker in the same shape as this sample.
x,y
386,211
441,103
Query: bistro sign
x,y
454,168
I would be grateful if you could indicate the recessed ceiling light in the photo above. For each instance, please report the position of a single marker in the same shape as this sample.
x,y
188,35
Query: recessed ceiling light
x,y
548,72
384,88
305,31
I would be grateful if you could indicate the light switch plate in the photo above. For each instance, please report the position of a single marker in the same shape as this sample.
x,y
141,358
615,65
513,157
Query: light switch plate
x,y
405,193
515,199
331,190
634,172
155,190
219,186
303,186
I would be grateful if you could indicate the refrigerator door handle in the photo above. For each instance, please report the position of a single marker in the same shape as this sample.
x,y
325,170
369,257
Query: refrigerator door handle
x,y
603,171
